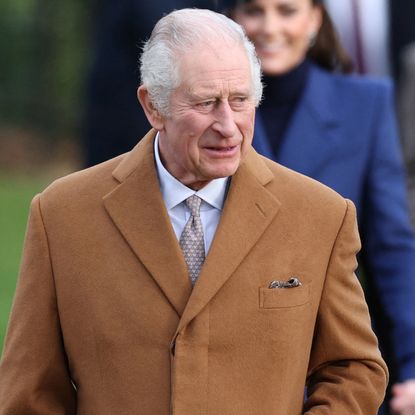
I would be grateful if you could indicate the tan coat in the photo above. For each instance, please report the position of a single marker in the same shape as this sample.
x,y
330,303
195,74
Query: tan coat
x,y
105,320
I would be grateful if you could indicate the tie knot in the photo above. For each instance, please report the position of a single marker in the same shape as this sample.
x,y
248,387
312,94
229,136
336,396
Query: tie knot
x,y
193,203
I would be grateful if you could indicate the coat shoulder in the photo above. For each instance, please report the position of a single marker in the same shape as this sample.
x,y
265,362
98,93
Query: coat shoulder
x,y
301,192
353,84
81,187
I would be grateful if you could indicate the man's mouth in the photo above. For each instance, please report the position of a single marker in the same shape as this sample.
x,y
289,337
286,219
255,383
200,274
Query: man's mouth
x,y
222,151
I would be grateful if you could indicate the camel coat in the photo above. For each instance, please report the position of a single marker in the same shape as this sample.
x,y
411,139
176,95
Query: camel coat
x,y
105,321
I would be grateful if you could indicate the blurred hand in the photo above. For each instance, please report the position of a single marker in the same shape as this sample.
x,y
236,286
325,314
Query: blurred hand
x,y
403,398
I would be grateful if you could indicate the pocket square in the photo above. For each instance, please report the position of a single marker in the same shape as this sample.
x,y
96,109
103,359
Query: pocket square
x,y
288,294
291,283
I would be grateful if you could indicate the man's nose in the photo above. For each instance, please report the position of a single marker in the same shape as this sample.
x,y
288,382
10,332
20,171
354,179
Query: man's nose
x,y
225,122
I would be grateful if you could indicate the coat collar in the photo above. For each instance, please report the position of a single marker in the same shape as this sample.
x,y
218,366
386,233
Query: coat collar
x,y
312,130
137,210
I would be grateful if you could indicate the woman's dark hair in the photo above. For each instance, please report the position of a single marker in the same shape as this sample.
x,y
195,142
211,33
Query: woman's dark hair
x,y
326,51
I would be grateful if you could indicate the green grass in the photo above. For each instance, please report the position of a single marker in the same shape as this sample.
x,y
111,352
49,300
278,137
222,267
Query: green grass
x,y
15,196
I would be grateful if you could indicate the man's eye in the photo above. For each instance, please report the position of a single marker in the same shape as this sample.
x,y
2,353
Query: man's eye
x,y
238,101
206,104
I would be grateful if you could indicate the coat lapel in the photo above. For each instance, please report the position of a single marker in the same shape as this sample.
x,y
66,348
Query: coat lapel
x,y
313,130
137,209
248,211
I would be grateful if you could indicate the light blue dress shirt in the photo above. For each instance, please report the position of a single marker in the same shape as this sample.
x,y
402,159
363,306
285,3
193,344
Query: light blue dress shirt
x,y
175,193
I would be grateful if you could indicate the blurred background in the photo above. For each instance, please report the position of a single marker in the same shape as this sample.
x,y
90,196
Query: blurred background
x,y
44,57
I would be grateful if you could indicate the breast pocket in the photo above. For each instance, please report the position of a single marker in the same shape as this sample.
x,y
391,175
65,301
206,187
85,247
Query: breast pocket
x,y
284,297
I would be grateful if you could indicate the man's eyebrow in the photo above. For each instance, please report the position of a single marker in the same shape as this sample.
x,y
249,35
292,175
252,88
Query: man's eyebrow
x,y
203,95
217,95
245,92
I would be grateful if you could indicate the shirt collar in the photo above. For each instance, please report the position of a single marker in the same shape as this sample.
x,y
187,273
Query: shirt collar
x,y
174,192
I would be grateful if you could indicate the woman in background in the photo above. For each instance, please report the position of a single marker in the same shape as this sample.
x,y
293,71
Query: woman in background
x,y
340,129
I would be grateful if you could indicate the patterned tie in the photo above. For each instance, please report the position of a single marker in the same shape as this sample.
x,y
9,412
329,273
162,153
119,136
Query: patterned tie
x,y
191,239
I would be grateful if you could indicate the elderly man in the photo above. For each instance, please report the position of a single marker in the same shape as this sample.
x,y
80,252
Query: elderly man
x,y
191,275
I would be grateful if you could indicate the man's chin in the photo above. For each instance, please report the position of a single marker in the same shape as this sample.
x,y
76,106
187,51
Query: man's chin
x,y
220,170
220,174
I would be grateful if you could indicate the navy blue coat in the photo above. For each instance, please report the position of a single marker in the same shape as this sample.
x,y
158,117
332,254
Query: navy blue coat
x,y
343,133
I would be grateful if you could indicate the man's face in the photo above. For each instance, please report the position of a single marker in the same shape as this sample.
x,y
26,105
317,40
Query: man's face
x,y
210,126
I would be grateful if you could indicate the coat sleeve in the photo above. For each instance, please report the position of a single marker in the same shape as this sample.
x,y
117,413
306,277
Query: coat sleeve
x,y
34,375
388,239
346,373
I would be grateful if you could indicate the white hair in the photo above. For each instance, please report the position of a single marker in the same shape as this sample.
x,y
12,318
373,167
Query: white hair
x,y
179,32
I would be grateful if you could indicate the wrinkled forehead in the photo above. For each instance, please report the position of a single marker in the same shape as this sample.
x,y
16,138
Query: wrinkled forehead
x,y
219,43
223,60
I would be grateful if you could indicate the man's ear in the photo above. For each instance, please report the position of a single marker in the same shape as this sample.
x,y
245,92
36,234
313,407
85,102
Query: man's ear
x,y
152,114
